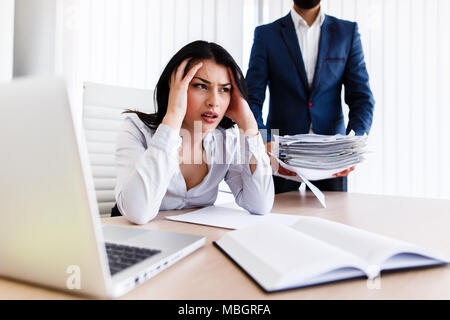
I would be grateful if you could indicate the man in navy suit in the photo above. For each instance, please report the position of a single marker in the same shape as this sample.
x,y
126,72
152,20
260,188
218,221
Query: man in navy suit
x,y
305,58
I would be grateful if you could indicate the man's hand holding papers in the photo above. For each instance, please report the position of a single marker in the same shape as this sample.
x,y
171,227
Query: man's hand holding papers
x,y
281,171
344,173
306,157
319,157
275,165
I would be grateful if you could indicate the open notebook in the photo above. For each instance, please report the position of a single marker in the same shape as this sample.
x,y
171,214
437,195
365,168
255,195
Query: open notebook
x,y
314,251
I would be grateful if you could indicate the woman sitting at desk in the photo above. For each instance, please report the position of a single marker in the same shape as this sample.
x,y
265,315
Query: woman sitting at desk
x,y
203,132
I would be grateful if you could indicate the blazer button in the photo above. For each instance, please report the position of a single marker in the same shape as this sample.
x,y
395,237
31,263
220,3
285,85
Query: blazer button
x,y
310,104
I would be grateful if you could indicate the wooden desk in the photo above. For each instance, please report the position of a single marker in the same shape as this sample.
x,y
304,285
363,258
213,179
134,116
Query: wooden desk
x,y
208,274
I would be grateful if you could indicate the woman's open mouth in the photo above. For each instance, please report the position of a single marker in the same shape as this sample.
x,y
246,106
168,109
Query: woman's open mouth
x,y
210,117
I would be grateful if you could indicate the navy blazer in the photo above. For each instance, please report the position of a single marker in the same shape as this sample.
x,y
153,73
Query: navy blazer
x,y
276,61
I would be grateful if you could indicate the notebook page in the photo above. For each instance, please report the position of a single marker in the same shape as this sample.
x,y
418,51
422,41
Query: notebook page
x,y
373,248
277,256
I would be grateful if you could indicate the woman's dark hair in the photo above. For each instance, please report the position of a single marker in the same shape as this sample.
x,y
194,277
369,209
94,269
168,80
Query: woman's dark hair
x,y
197,50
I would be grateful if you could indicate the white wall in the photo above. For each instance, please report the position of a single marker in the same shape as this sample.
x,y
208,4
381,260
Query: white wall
x,y
34,37
128,42
407,45
6,39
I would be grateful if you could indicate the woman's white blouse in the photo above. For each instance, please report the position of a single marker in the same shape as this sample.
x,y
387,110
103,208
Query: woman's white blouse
x,y
149,177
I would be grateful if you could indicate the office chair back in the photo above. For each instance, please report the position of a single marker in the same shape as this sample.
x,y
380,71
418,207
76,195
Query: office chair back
x,y
102,118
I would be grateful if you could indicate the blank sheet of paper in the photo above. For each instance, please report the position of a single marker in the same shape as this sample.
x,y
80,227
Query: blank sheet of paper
x,y
230,217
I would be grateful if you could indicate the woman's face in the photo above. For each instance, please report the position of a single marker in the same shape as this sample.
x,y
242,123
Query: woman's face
x,y
208,97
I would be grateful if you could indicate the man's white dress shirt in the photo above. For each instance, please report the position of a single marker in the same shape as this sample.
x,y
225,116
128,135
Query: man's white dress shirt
x,y
308,39
149,178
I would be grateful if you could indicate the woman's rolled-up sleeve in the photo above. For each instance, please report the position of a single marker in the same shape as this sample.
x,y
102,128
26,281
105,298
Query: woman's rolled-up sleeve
x,y
253,192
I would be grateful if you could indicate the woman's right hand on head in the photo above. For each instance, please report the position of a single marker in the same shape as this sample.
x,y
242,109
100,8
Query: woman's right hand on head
x,y
177,103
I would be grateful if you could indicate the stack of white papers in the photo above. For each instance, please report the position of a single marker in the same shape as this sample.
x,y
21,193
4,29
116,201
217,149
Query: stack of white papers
x,y
313,151
317,157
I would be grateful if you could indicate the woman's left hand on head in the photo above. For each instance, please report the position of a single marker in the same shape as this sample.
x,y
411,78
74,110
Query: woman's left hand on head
x,y
239,110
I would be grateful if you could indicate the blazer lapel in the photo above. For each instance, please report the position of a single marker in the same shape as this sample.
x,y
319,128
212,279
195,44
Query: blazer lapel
x,y
325,43
290,39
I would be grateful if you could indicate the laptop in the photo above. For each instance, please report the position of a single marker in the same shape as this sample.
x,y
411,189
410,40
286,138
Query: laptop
x,y
50,228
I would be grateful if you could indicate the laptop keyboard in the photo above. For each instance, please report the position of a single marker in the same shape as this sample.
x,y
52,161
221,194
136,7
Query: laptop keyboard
x,y
121,257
